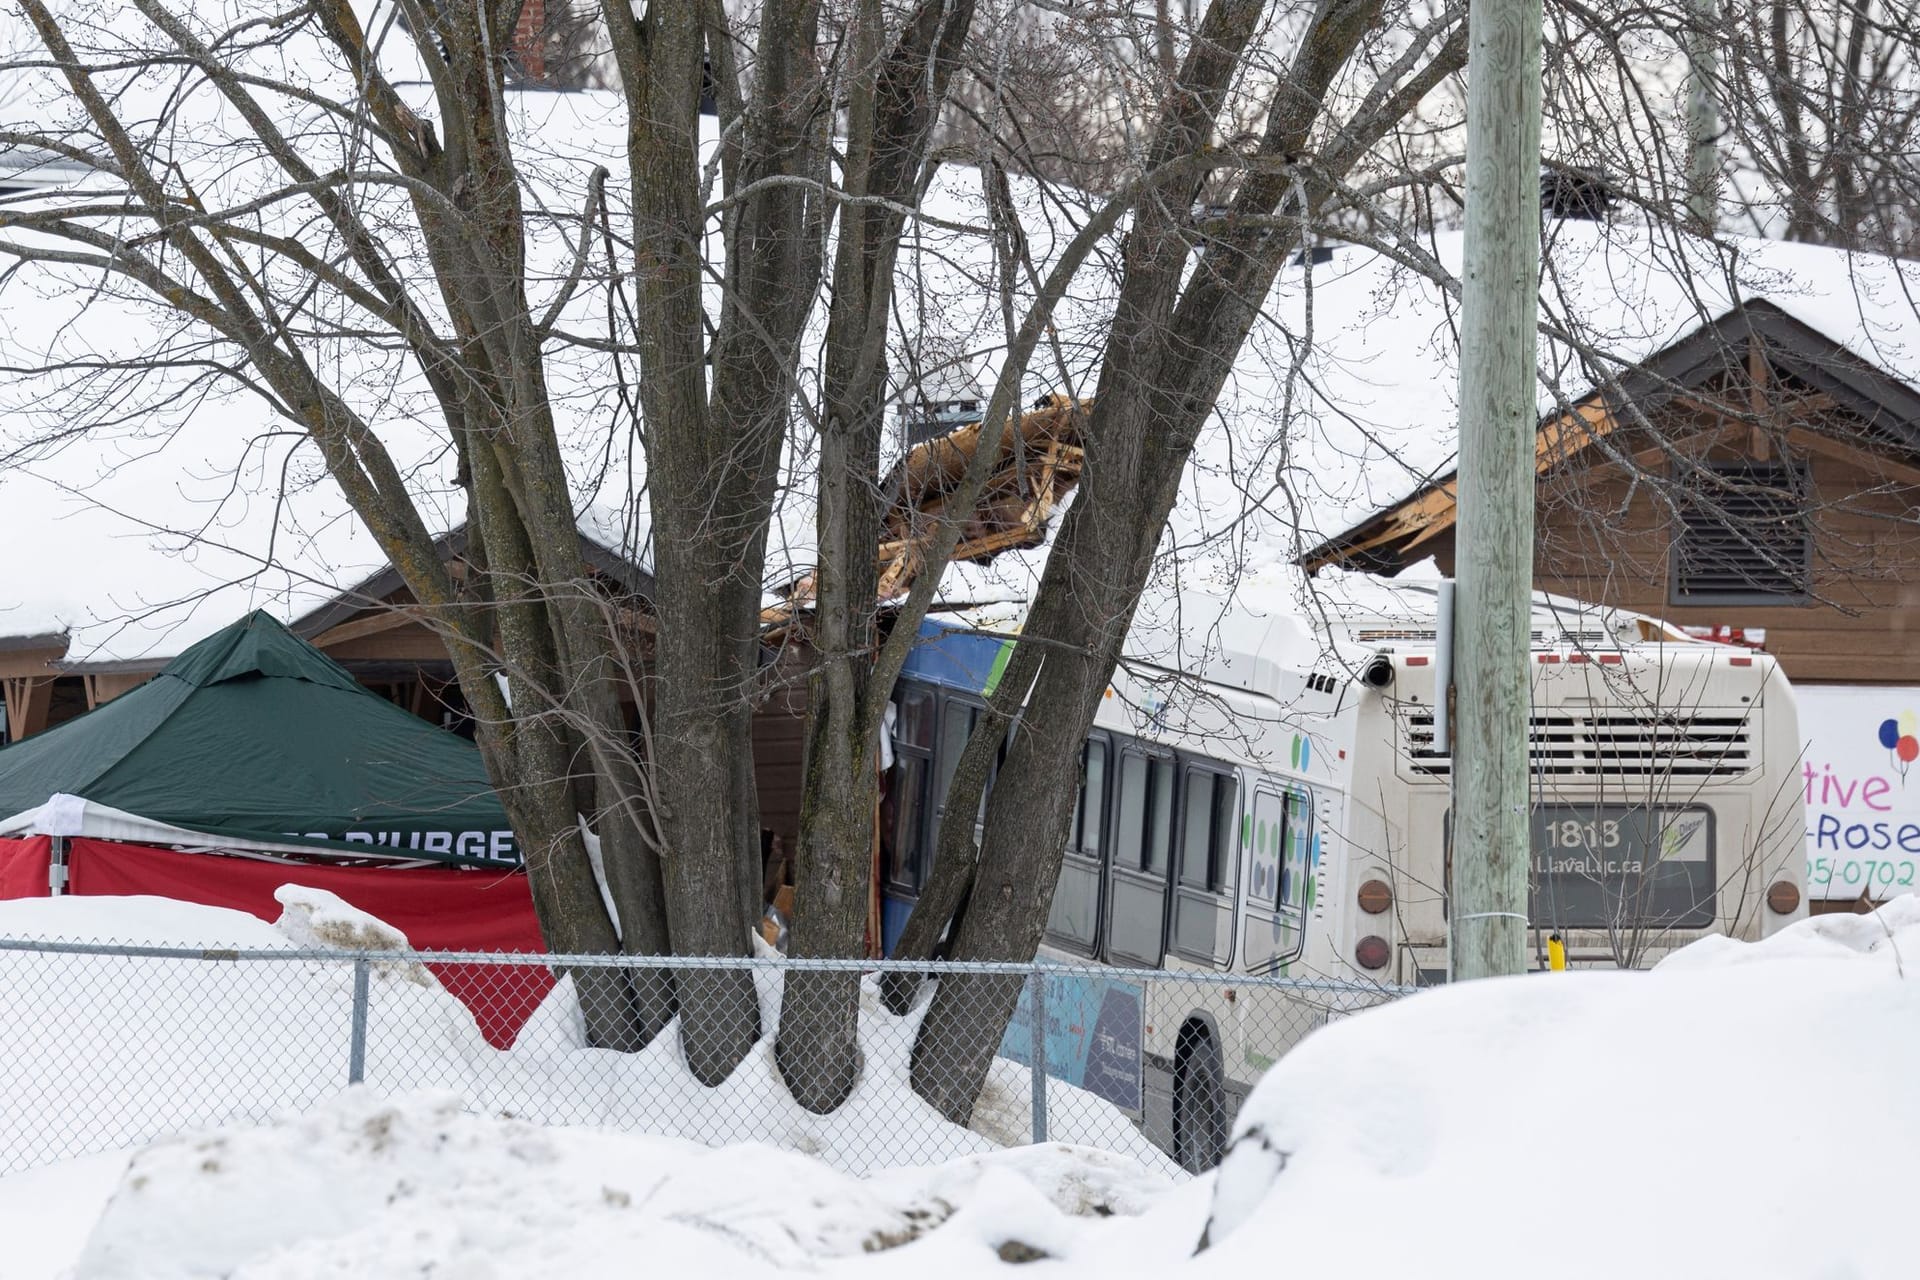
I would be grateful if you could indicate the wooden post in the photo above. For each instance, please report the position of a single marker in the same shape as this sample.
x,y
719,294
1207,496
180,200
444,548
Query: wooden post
x,y
1499,417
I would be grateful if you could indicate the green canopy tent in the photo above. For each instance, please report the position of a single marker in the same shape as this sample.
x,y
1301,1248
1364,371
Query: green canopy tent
x,y
255,739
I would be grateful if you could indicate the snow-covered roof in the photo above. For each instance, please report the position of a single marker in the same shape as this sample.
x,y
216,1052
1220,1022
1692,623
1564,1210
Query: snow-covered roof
x,y
1375,415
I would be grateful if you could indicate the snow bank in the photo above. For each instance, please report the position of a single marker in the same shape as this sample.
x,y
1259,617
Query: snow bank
x,y
368,1187
135,921
1743,1110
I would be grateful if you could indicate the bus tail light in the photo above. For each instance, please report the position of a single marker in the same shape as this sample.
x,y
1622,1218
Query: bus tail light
x,y
1373,952
1783,898
1375,896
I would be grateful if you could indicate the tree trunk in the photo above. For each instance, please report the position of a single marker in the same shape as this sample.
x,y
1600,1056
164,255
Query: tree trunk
x,y
818,1048
890,116
696,748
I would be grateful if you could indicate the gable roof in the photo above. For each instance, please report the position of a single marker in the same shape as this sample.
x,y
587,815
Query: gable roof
x,y
630,570
1888,410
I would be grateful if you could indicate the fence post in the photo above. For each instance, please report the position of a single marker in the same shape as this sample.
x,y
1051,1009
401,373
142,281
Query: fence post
x,y
1037,1007
357,1053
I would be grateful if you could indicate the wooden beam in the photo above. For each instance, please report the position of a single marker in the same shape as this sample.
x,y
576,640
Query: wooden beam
x,y
1759,371
1865,459
373,624
1643,462
28,662
29,698
105,686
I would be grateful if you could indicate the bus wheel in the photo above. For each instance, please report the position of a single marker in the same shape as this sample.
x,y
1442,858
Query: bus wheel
x,y
1199,1102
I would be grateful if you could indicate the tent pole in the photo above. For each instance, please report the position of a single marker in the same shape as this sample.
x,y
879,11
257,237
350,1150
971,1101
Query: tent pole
x,y
57,868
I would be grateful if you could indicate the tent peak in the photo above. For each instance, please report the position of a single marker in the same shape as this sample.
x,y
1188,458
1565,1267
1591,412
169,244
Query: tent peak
x,y
258,644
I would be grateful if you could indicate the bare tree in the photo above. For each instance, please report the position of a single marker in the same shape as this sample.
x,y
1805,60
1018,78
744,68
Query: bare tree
x,y
357,223
1823,117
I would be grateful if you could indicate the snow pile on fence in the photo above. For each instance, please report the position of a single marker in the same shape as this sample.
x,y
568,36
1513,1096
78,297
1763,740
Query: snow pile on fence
x,y
1744,1110
106,1051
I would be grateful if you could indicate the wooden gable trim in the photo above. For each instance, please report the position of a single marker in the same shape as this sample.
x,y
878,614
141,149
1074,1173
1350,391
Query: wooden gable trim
x,y
1768,338
1431,513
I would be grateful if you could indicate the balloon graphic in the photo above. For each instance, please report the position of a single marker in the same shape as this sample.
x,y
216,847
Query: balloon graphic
x,y
1909,724
1908,749
1889,734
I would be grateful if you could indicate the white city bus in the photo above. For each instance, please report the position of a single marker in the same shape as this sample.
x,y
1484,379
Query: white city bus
x,y
1279,810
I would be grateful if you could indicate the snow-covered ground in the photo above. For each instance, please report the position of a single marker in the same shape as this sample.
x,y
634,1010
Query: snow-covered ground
x,y
1742,1111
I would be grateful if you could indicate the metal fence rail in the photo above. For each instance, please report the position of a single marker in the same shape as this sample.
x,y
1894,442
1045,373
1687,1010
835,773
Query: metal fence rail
x,y
107,1046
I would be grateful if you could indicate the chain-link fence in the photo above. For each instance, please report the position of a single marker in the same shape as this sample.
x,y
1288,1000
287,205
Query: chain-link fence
x,y
867,1065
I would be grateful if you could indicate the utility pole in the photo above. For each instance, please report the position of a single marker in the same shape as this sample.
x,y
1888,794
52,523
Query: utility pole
x,y
1703,119
1499,416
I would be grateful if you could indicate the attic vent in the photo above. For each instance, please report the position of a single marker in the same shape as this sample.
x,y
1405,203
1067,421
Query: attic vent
x,y
1578,194
1615,744
1744,537
930,419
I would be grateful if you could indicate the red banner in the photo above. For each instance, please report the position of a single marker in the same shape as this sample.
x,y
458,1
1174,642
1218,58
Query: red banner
x,y
438,908
24,865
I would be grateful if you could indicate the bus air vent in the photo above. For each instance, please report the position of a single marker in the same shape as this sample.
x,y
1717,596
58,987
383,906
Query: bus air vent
x,y
1615,744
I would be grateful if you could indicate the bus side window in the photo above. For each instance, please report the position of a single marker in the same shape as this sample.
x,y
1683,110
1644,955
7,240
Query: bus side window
x,y
956,726
1091,802
1223,864
1130,825
905,802
1196,841
1275,833
1160,821
1073,919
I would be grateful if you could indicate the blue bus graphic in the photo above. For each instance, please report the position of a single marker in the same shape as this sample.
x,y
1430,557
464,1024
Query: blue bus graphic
x,y
1092,1035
